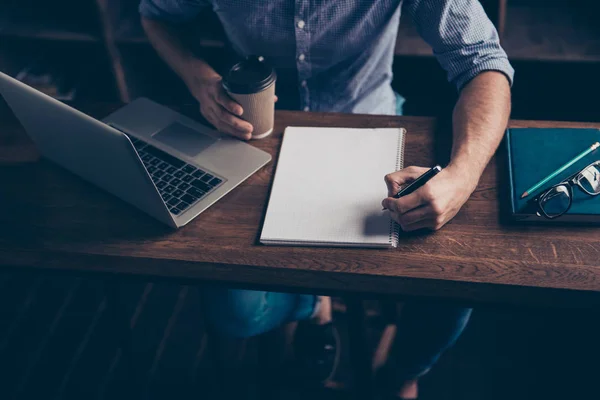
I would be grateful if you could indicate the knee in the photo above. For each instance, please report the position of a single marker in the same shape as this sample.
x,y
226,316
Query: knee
x,y
238,313
455,318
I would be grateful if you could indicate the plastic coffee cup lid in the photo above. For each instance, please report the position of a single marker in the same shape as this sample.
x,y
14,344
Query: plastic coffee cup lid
x,y
252,75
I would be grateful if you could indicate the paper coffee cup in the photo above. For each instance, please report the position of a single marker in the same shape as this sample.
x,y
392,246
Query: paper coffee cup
x,y
252,84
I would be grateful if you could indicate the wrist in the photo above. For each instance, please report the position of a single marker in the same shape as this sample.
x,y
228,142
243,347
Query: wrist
x,y
467,174
196,71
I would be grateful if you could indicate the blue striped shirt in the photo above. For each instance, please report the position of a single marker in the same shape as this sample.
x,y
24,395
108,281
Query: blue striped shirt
x,y
337,54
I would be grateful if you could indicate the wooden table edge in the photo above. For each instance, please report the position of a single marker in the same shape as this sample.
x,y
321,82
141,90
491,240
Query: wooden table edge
x,y
321,282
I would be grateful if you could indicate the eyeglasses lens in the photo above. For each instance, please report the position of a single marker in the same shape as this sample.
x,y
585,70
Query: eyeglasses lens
x,y
589,179
557,201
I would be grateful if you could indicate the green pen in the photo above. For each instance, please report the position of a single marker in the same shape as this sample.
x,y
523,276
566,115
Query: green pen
x,y
560,170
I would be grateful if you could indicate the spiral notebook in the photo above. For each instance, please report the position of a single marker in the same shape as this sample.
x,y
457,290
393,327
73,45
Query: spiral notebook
x,y
328,188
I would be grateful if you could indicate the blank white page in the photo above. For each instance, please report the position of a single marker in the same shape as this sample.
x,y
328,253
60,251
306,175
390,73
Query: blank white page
x,y
328,187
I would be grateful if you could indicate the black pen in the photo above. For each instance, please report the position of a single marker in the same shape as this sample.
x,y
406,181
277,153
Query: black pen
x,y
419,182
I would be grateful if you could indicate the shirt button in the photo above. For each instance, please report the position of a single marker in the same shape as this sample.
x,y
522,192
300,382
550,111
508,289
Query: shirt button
x,y
301,57
303,83
300,24
306,108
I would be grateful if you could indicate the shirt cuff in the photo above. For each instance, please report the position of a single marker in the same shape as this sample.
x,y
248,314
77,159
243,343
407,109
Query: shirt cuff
x,y
494,64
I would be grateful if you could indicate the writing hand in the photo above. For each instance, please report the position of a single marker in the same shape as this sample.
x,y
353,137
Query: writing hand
x,y
432,205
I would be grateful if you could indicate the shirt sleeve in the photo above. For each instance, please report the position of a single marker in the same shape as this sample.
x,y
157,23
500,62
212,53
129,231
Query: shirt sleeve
x,y
171,10
464,40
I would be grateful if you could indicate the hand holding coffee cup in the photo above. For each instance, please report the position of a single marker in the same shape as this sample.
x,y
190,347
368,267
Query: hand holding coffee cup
x,y
251,83
215,105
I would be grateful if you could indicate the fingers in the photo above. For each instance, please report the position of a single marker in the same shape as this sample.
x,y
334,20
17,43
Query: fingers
x,y
396,179
404,204
426,216
431,206
228,103
276,98
227,123
232,124
415,211
421,218
419,214
218,108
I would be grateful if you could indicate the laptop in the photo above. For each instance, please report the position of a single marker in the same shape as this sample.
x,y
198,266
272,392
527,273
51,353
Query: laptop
x,y
164,163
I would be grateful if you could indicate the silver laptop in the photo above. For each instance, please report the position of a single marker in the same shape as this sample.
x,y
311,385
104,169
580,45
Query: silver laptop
x,y
156,159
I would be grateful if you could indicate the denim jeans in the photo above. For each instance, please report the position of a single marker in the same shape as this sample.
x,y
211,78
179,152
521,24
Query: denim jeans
x,y
424,333
246,313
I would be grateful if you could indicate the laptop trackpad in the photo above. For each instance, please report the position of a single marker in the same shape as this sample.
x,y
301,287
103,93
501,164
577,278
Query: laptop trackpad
x,y
184,139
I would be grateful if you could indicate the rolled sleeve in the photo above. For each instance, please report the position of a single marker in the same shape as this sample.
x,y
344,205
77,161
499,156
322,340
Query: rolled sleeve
x,y
171,10
464,40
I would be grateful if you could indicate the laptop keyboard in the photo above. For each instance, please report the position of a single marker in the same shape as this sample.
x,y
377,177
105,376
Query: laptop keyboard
x,y
181,185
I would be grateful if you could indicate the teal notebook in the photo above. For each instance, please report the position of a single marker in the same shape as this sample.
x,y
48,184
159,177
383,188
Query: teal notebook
x,y
534,153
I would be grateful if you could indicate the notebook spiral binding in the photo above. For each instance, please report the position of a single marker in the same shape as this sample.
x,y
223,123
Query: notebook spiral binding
x,y
395,227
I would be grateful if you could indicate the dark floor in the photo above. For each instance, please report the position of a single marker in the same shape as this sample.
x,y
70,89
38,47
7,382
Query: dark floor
x,y
58,341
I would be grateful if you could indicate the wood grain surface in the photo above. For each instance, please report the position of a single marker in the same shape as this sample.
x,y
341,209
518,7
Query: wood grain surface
x,y
51,219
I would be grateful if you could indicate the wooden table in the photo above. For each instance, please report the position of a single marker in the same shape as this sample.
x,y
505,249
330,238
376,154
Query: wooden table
x,y
51,219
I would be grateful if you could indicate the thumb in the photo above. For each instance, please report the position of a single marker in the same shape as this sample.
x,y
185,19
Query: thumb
x,y
395,180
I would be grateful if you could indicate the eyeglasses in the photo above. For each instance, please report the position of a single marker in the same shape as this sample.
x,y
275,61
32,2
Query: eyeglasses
x,y
557,200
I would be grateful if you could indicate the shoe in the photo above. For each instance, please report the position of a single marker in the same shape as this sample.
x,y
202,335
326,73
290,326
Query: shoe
x,y
317,351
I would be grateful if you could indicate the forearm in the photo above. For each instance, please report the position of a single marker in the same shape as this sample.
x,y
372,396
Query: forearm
x,y
168,44
479,122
